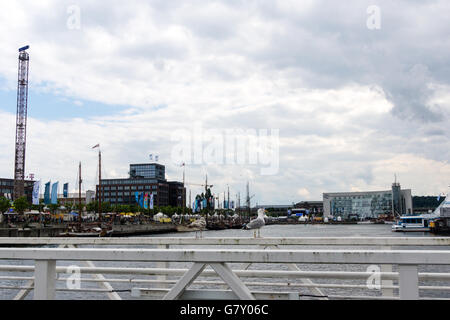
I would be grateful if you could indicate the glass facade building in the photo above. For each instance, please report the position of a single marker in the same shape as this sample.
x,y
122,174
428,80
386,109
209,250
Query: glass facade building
x,y
148,171
144,178
368,204
365,205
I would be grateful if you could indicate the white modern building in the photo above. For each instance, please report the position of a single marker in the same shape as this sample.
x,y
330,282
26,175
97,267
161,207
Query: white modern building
x,y
369,204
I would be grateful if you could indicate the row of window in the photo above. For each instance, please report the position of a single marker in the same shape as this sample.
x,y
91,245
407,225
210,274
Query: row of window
x,y
129,181
121,200
412,220
130,188
114,194
377,196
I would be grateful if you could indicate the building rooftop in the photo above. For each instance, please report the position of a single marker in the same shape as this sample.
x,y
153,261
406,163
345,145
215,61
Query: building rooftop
x,y
359,193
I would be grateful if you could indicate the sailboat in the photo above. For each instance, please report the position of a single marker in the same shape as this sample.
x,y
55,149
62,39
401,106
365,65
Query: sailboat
x,y
95,229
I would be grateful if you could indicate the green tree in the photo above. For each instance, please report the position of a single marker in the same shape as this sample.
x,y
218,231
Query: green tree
x,y
92,206
21,204
4,204
106,207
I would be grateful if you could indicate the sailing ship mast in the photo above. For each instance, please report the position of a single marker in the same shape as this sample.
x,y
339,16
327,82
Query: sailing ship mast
x,y
79,194
228,205
184,189
99,181
99,184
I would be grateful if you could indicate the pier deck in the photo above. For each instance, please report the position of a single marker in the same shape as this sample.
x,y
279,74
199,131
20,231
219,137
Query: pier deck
x,y
210,267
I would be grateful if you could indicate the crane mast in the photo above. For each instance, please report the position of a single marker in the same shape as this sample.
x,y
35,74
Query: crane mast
x,y
21,123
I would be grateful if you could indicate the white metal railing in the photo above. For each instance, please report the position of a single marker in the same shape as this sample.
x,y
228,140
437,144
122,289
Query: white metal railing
x,y
219,260
327,241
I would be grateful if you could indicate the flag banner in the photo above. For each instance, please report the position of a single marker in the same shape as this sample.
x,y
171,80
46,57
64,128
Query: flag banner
x,y
205,204
141,200
66,190
232,204
47,193
151,201
136,194
195,205
55,193
146,201
36,188
96,146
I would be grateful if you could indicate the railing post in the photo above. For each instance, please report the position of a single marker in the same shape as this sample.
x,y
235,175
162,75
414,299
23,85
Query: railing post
x,y
163,265
387,268
408,282
44,279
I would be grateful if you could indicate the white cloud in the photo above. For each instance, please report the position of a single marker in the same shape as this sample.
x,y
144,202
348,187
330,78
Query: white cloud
x,y
304,193
324,83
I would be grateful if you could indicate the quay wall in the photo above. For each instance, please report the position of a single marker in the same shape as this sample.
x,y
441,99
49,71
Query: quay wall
x,y
118,230
142,229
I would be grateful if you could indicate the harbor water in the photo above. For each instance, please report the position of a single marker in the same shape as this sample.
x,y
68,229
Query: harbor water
x,y
317,230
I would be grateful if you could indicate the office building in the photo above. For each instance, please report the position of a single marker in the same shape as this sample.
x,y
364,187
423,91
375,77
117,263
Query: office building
x,y
74,198
7,189
368,204
143,178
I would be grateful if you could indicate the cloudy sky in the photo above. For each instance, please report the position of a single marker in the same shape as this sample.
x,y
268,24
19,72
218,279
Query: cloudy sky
x,y
356,99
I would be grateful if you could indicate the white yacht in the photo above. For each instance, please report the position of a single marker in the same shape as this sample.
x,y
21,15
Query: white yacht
x,y
412,223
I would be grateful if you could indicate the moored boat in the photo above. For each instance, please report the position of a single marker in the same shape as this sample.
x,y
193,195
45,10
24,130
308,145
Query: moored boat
x,y
412,224
183,228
